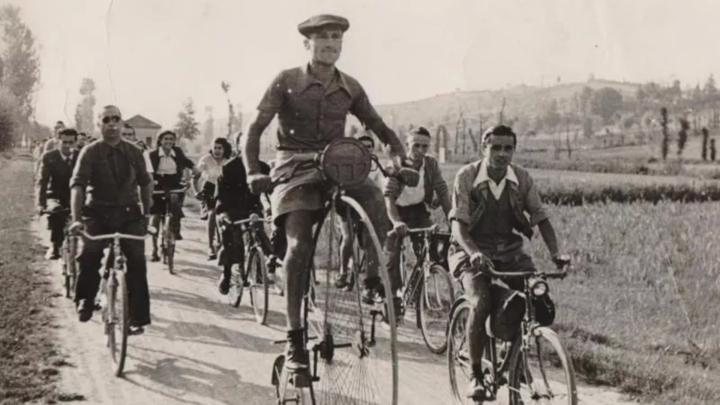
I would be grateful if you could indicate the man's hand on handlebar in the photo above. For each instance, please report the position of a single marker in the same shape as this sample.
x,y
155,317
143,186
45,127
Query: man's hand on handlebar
x,y
259,183
479,261
76,228
400,228
561,261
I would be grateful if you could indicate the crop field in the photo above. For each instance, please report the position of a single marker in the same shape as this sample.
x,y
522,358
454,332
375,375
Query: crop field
x,y
642,308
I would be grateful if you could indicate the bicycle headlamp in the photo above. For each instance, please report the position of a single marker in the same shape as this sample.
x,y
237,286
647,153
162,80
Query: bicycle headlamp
x,y
539,288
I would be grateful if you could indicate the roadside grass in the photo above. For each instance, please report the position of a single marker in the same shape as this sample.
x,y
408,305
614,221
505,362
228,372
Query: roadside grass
x,y
642,308
29,360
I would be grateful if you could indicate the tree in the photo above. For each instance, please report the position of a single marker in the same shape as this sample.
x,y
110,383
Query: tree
x,y
20,61
9,115
551,117
85,109
186,126
606,102
710,91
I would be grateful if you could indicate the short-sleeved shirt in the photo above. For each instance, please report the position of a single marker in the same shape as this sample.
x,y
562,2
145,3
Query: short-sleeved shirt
x,y
210,169
311,115
111,174
466,202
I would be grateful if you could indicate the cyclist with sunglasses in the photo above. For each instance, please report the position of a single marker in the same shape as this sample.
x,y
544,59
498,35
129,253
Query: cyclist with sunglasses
x,y
111,171
490,200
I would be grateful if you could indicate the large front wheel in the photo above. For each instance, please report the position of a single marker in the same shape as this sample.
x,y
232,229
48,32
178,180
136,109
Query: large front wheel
x,y
433,307
541,371
355,342
257,280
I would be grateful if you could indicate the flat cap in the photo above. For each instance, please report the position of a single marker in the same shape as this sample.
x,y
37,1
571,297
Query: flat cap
x,y
313,23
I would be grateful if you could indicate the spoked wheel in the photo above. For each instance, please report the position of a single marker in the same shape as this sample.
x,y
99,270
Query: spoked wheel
x,y
291,388
257,280
543,373
69,267
237,286
169,242
355,348
458,353
117,319
433,307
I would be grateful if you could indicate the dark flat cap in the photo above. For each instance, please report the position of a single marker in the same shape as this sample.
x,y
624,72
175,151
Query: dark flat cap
x,y
313,23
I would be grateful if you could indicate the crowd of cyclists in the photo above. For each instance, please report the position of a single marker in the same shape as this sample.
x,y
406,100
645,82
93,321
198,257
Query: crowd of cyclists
x,y
107,185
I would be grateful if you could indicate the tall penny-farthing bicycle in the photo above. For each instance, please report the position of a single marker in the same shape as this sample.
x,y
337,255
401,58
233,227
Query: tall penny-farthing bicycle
x,y
534,365
116,311
352,345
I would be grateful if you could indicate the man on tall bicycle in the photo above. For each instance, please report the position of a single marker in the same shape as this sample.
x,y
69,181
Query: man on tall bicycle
x,y
169,166
312,102
235,202
490,200
407,206
112,171
52,188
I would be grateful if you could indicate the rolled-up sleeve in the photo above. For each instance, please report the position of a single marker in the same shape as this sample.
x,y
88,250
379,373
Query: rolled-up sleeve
x,y
462,186
274,96
437,181
533,204
83,169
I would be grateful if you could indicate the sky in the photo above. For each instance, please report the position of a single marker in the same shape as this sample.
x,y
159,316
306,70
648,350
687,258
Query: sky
x,y
148,56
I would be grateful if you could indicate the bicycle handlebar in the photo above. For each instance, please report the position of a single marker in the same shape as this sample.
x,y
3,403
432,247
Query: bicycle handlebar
x,y
252,218
489,269
115,235
175,191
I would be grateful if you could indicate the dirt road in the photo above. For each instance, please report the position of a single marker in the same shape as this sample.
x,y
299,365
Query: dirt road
x,y
200,350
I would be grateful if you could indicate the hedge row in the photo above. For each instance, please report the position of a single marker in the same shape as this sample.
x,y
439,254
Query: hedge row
x,y
580,194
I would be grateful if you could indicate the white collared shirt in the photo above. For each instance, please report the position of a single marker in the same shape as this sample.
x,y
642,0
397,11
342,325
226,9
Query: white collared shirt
x,y
495,188
166,165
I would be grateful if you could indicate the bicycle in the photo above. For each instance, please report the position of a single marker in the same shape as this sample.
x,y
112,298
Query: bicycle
x,y
254,273
534,365
350,360
429,289
167,234
69,267
116,315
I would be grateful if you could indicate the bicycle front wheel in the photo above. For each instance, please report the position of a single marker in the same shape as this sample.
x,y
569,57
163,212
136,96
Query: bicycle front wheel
x,y
117,320
433,307
169,241
458,352
355,352
69,267
257,279
541,371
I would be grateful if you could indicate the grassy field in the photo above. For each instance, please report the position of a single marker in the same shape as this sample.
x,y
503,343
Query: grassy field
x,y
642,309
28,358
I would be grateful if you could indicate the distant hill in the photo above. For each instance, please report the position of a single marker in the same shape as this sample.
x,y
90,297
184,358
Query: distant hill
x,y
521,100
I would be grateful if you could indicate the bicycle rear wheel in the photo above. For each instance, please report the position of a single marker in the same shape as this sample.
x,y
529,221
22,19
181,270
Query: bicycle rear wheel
x,y
355,353
542,372
257,279
433,307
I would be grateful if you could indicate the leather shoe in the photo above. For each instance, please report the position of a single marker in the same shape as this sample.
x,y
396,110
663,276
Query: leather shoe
x,y
84,310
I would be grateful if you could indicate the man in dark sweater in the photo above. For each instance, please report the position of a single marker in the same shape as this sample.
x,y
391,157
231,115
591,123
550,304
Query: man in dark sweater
x,y
235,202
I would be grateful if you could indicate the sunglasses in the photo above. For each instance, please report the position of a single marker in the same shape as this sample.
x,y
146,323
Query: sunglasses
x,y
114,119
498,148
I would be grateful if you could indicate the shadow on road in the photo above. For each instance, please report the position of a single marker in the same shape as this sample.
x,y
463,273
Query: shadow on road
x,y
206,380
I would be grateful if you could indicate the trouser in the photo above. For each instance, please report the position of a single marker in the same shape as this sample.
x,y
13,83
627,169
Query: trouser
x,y
414,216
56,219
126,219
